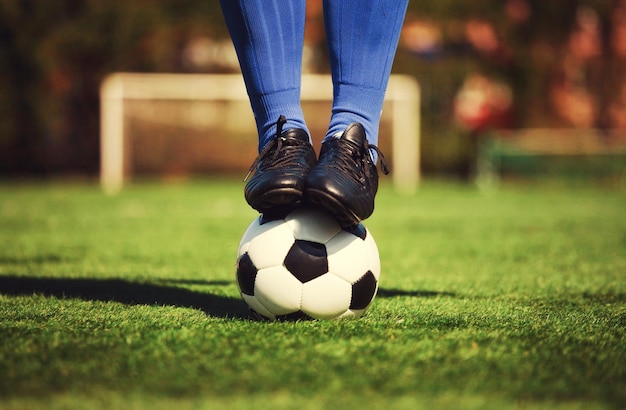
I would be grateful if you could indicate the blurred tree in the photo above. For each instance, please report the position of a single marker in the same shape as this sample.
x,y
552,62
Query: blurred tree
x,y
53,56
521,43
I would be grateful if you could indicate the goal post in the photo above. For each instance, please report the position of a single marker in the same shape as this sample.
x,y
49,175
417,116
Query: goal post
x,y
118,90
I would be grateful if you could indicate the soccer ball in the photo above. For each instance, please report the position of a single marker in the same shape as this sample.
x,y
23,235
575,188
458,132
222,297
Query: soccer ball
x,y
305,265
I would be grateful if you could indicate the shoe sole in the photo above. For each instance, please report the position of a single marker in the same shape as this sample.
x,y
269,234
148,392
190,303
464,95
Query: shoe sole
x,y
344,216
278,200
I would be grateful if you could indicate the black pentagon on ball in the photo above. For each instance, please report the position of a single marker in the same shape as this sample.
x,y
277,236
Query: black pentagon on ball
x,y
307,260
363,291
246,274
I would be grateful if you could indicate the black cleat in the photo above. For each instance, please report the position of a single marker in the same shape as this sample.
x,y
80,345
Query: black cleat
x,y
280,171
345,179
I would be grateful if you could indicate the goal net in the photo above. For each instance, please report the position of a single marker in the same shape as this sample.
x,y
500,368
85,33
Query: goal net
x,y
177,125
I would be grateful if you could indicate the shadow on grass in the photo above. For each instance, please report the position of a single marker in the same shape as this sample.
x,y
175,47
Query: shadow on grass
x,y
391,293
130,293
162,293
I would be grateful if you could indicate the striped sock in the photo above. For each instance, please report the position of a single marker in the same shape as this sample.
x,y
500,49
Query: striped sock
x,y
362,40
268,36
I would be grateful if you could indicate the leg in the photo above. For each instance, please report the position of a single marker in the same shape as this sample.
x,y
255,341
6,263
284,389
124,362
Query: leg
x,y
362,40
268,36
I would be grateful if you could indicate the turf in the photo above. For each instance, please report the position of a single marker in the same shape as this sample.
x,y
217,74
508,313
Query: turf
x,y
511,298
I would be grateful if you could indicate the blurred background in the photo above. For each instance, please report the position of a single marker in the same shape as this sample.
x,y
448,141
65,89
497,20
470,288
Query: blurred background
x,y
489,70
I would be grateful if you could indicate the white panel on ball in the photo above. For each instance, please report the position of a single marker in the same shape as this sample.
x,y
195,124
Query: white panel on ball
x,y
347,257
326,297
270,247
278,290
254,229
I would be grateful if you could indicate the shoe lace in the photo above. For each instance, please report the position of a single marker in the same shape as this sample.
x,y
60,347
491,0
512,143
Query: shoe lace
x,y
350,160
284,154
383,162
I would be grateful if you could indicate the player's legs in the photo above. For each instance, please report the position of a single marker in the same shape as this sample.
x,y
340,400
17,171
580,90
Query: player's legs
x,y
268,36
362,40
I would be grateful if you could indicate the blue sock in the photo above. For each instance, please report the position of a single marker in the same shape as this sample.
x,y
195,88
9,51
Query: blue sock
x,y
362,39
268,36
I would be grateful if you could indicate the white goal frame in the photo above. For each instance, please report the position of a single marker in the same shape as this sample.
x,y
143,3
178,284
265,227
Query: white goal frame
x,y
403,94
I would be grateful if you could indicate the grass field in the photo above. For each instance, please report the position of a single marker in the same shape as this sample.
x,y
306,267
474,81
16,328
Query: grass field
x,y
513,298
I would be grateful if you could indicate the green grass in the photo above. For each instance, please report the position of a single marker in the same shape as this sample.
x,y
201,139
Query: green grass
x,y
513,298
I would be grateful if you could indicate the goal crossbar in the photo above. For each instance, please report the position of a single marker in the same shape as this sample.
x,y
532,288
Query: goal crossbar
x,y
402,99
